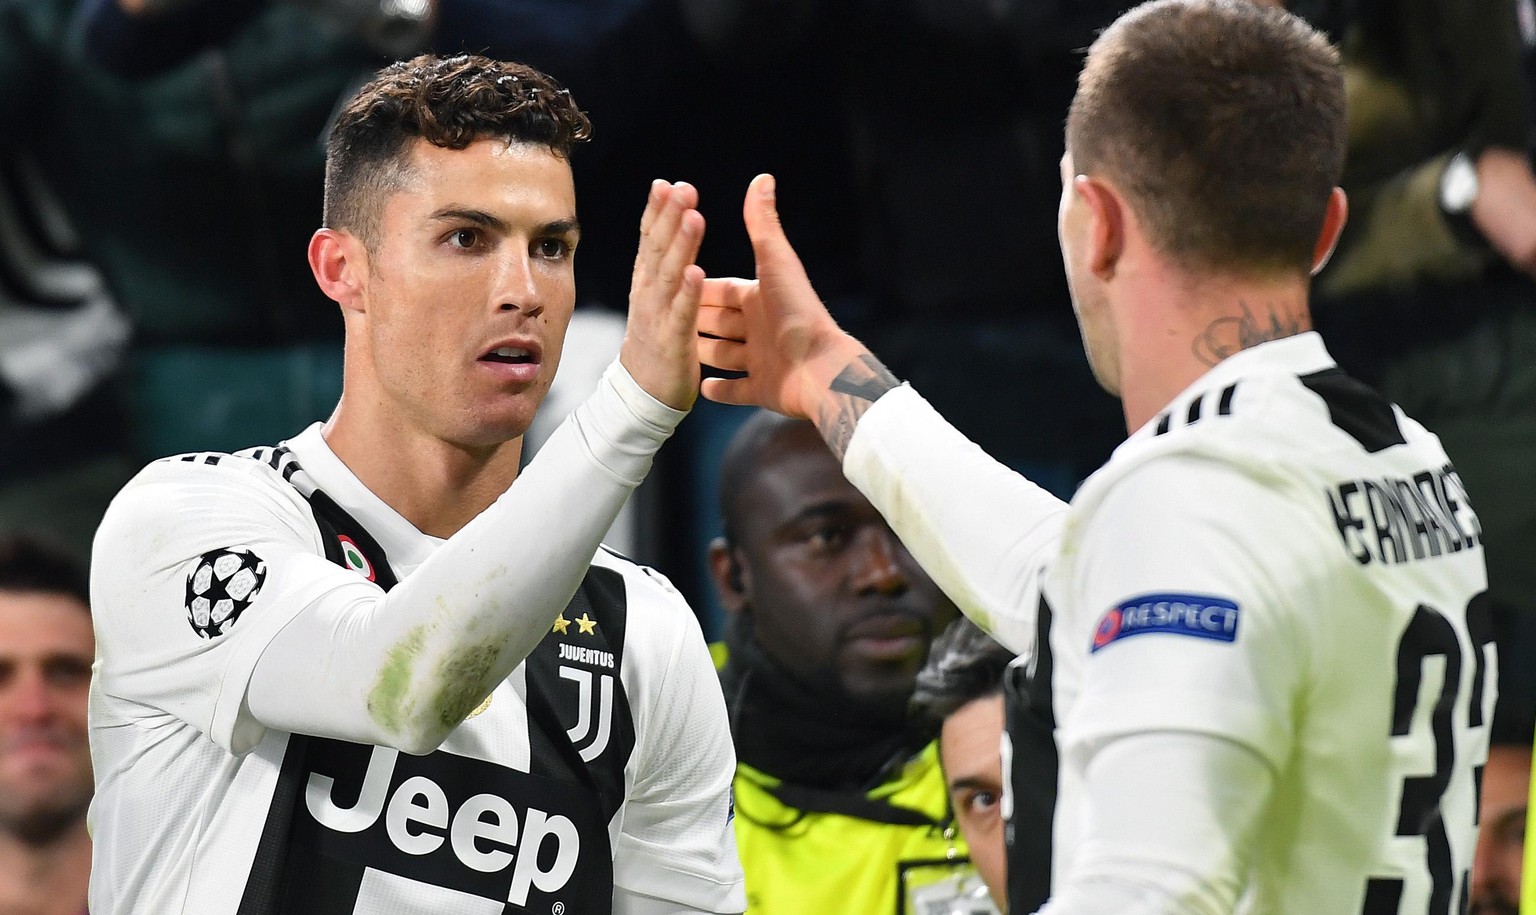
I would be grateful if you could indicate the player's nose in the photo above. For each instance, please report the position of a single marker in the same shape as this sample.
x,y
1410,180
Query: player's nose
x,y
27,698
517,287
878,567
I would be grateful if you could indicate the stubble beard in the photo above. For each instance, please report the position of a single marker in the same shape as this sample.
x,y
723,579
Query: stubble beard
x,y
44,820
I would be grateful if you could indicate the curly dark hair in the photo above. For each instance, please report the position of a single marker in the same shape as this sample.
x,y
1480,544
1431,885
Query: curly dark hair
x,y
34,564
449,102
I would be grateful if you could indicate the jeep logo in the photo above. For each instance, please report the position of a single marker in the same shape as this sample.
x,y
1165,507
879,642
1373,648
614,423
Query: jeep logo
x,y
484,834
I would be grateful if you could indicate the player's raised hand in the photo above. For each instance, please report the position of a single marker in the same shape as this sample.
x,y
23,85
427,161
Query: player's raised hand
x,y
660,348
777,330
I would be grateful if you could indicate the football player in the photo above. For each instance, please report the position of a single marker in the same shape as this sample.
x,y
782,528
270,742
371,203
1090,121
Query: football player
x,y
1259,632
366,671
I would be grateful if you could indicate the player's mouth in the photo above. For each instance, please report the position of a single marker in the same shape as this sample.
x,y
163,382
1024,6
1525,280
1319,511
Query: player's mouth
x,y
31,750
518,361
887,637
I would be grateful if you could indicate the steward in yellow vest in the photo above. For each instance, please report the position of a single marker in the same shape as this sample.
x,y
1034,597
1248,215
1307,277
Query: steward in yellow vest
x,y
841,806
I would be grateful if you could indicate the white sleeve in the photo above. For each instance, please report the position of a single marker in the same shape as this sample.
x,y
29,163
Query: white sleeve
x,y
1178,849
398,669
626,902
980,530
1191,662
1180,611
677,845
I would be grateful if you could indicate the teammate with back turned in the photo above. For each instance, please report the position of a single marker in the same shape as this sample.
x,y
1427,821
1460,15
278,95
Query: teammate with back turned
x,y
1255,642
364,671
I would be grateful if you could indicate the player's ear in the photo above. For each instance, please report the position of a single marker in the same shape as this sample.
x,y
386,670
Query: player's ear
x,y
1107,224
727,570
339,261
1333,226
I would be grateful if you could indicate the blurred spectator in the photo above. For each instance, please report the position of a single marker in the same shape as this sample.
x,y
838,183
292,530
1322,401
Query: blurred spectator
x,y
1429,296
1501,827
837,788
46,650
63,447
191,190
961,688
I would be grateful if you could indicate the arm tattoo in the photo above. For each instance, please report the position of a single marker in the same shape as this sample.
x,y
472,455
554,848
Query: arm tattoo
x,y
1231,333
855,388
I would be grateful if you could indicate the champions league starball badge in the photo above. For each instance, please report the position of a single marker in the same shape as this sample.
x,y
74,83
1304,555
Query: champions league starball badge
x,y
224,583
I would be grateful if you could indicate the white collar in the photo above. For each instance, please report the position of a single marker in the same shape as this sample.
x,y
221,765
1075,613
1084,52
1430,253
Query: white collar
x,y
406,546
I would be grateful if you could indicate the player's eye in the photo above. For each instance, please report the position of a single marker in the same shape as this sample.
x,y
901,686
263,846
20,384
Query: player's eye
x,y
553,249
828,537
67,672
464,238
980,802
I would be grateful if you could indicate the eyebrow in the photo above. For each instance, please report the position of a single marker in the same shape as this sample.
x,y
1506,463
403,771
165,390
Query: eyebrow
x,y
972,781
832,506
491,221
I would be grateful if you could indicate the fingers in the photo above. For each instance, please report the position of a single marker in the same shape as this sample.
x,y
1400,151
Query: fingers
x,y
726,323
760,210
734,391
669,213
775,256
659,348
729,355
727,292
660,191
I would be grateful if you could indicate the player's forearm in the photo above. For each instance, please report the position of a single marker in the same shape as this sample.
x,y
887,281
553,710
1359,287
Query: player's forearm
x,y
979,529
844,379
405,670
626,902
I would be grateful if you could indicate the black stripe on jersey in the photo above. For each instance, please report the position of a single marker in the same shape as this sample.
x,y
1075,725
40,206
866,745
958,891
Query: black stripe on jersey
x,y
1359,411
554,700
1480,627
1193,416
263,887
334,521
1031,722
290,466
1163,423
302,867
1224,406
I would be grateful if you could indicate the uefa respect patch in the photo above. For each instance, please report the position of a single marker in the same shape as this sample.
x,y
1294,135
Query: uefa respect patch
x,y
1201,616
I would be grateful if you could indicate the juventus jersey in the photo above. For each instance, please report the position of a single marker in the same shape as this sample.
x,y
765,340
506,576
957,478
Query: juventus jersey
x,y
600,766
1280,560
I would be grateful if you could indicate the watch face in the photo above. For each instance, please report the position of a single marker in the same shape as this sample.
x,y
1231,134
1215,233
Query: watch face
x,y
1458,186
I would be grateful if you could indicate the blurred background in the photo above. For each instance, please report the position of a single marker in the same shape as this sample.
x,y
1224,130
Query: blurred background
x,y
161,172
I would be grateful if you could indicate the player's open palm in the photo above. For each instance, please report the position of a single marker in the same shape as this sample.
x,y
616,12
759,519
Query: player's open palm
x,y
774,328
660,348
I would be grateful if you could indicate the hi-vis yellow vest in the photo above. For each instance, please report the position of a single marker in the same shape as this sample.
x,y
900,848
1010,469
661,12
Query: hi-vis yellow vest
x,y
801,863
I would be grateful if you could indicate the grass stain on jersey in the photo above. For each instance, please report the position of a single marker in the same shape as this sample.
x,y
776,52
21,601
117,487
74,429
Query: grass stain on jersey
x,y
387,701
463,677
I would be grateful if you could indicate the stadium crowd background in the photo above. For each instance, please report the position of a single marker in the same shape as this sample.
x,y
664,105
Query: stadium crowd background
x,y
160,174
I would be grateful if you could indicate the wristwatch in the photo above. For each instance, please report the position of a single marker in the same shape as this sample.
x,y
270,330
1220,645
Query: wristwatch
x,y
1458,185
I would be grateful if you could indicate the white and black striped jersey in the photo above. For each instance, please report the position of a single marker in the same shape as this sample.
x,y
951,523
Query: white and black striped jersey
x,y
1258,635
601,767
